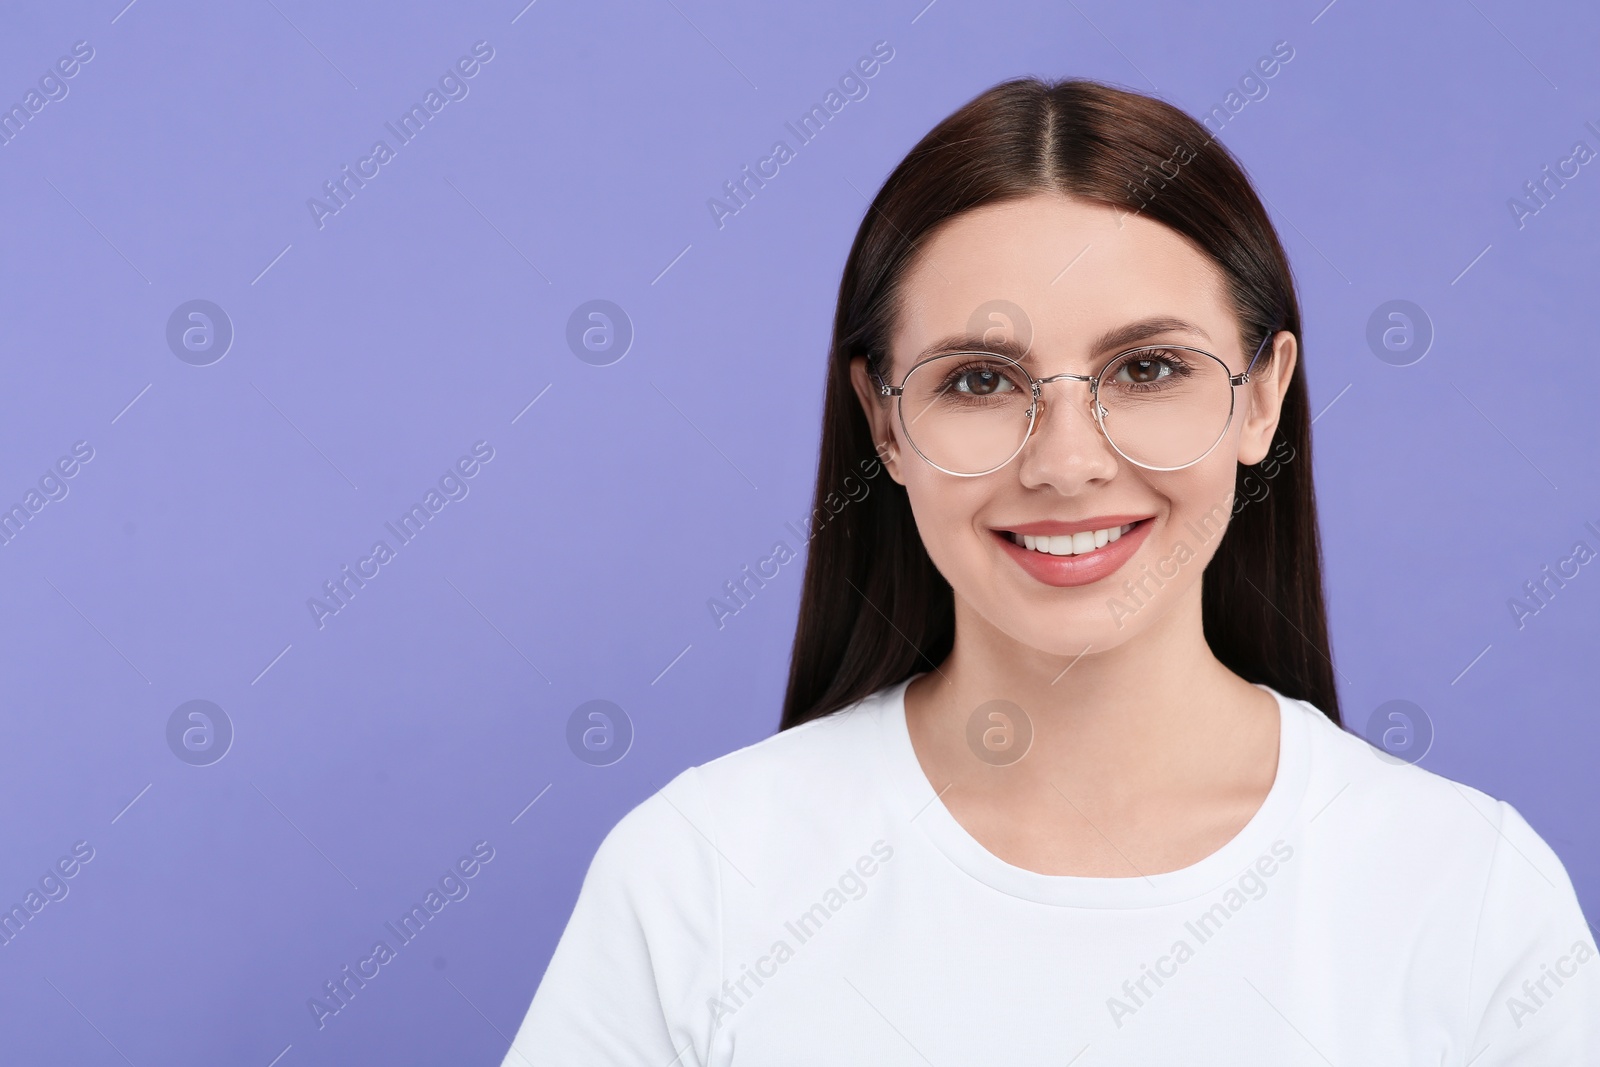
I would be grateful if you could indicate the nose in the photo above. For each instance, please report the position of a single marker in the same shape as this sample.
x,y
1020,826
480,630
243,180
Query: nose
x,y
1066,448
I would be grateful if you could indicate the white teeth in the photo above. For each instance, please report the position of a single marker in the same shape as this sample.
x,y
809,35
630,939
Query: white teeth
x,y
1071,544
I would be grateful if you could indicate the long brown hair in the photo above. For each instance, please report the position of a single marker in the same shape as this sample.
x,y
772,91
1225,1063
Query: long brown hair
x,y
873,608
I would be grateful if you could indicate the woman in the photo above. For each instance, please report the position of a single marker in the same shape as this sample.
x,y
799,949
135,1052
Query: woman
x,y
1042,794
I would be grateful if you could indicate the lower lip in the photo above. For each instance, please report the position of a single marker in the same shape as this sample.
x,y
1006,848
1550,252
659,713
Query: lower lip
x,y
1076,570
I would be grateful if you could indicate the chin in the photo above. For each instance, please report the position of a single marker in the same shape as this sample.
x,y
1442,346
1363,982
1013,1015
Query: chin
x,y
1068,632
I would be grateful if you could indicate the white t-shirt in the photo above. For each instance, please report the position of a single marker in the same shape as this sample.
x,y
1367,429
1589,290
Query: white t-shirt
x,y
809,900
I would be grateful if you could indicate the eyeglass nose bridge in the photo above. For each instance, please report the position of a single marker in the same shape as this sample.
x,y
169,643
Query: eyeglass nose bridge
x,y
1094,393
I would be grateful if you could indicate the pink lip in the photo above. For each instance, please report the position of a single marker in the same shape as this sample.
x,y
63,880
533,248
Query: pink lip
x,y
1086,569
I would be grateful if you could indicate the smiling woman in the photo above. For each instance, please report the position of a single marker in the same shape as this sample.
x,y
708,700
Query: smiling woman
x,y
1075,799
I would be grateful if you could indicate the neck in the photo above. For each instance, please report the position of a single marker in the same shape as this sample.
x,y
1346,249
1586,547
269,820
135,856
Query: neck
x,y
1158,711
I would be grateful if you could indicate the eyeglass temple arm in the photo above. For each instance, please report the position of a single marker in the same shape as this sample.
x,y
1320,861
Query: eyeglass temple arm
x,y
1244,379
884,388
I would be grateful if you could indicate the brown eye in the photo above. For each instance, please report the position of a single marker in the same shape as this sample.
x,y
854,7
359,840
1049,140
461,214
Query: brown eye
x,y
981,381
1145,371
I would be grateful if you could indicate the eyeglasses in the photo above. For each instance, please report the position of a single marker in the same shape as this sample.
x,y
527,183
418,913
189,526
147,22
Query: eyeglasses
x,y
1161,407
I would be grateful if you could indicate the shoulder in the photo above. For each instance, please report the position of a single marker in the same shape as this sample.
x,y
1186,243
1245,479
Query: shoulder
x,y
828,763
1476,882
1471,854
804,780
1395,801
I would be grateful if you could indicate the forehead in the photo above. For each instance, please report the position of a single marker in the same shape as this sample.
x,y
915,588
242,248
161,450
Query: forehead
x,y
1057,270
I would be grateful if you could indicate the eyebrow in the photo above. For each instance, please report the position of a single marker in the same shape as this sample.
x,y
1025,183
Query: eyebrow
x,y
1124,336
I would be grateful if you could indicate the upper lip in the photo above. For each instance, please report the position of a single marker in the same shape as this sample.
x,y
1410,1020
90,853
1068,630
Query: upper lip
x,y
1060,528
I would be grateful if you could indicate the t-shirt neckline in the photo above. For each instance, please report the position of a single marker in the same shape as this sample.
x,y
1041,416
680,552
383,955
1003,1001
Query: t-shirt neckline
x,y
923,807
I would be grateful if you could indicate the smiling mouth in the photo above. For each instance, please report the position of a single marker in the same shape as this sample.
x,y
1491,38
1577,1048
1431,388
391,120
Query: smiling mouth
x,y
1076,544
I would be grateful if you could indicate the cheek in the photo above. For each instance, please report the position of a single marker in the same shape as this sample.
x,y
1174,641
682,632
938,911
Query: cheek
x,y
1201,500
944,508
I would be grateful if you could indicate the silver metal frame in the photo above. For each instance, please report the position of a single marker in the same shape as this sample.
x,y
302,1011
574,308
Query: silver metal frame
x,y
1234,380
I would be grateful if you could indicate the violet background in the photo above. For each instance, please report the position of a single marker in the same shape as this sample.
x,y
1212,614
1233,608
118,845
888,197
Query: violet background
x,y
428,313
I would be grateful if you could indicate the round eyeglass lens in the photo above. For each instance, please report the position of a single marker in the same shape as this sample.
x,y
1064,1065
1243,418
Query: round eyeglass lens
x,y
966,413
1165,407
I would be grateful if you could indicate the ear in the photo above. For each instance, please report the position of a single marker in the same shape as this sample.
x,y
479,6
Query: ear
x,y
878,409
1263,398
